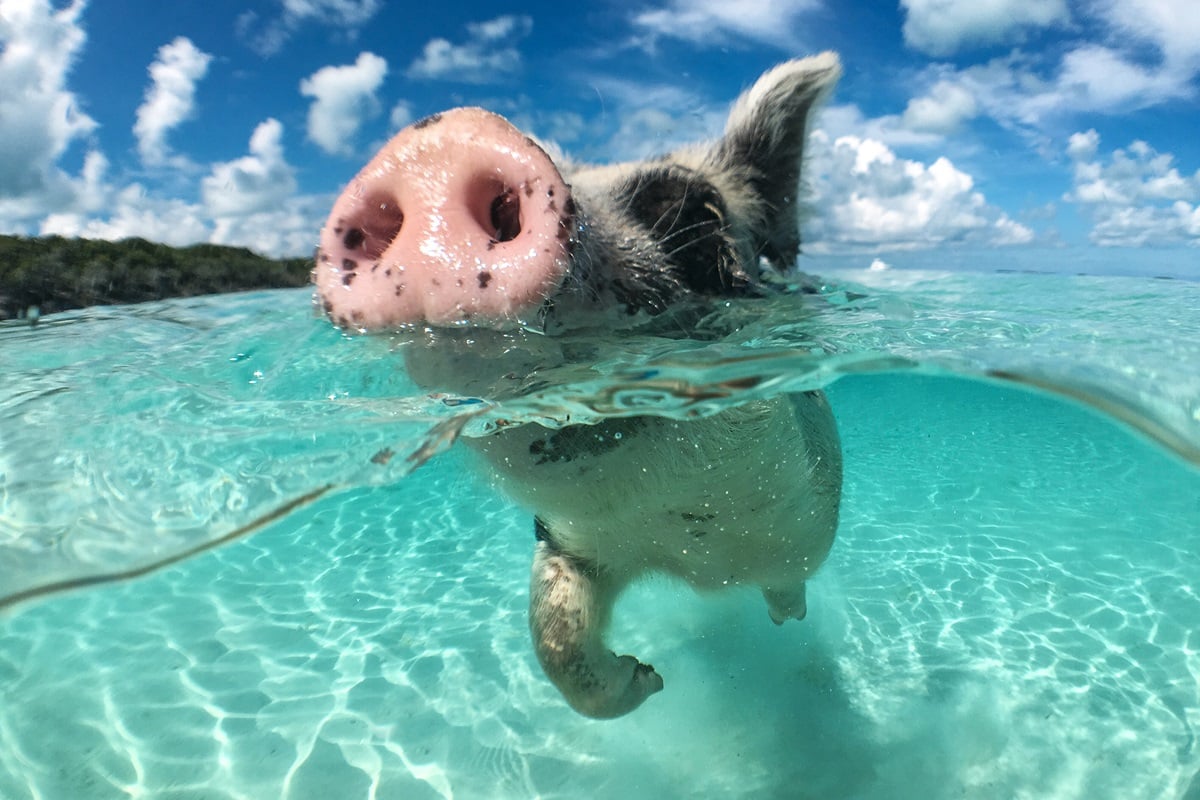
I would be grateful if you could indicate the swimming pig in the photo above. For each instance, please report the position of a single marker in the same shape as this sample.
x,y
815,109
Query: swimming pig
x,y
462,220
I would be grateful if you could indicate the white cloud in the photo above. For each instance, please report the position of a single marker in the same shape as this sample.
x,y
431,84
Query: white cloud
x,y
942,27
170,97
651,118
253,183
1172,26
562,126
252,201
1136,196
343,97
865,196
1148,54
291,229
401,116
488,55
269,36
712,22
500,28
942,110
1017,93
848,119
1099,78
135,212
249,202
1083,146
41,119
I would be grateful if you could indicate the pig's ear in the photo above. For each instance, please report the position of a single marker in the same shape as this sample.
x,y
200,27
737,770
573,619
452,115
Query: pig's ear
x,y
764,140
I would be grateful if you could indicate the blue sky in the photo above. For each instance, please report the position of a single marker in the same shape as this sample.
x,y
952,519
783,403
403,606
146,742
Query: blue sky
x,y
1022,133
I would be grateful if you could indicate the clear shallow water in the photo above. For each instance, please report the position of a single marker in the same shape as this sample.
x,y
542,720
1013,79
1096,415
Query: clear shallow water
x,y
1009,610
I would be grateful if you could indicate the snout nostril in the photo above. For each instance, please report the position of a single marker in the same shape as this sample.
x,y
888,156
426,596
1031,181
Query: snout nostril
x,y
374,228
505,215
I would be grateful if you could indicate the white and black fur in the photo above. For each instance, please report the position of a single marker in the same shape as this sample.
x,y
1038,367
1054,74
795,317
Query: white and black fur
x,y
746,497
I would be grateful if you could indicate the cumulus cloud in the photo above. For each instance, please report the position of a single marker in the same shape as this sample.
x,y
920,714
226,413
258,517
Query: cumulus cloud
x,y
343,97
1020,94
41,118
866,197
248,202
1093,77
1136,196
942,27
489,55
252,201
291,229
401,116
135,212
267,35
644,119
713,22
1171,26
170,97
256,182
1148,54
891,129
946,106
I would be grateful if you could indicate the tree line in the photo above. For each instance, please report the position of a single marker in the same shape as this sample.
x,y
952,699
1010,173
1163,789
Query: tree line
x,y
53,273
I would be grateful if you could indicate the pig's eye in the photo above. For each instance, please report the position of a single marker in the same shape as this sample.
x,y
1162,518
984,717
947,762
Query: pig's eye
x,y
686,216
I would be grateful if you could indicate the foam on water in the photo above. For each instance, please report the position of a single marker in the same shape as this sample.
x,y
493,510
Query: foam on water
x,y
1009,610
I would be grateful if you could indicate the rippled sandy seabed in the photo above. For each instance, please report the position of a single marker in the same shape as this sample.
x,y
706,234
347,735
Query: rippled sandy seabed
x,y
1009,612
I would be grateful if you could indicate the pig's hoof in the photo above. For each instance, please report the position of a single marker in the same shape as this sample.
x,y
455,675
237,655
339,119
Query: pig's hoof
x,y
786,604
632,683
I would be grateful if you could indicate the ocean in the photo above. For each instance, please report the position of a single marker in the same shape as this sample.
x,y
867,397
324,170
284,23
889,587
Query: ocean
x,y
243,556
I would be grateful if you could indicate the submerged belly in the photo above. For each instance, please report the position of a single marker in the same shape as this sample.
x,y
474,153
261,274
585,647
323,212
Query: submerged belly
x,y
742,496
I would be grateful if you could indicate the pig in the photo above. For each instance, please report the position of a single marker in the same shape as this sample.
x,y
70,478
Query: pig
x,y
462,222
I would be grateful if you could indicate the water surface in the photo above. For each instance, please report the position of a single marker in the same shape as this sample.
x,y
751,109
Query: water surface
x,y
1009,610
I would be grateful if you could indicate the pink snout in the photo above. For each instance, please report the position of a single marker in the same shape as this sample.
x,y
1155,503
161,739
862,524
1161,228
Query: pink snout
x,y
460,217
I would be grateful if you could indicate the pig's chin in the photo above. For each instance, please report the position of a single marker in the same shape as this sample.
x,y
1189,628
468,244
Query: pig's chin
x,y
365,309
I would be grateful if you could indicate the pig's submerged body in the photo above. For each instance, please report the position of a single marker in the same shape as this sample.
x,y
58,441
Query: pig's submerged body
x,y
747,496
462,220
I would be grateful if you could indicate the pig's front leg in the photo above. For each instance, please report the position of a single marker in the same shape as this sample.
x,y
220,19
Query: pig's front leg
x,y
568,610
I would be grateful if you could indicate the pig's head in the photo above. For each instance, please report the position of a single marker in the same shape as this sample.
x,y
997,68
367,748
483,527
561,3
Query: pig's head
x,y
461,218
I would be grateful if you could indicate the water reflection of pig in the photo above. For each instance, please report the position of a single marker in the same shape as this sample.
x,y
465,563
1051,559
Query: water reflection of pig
x,y
463,220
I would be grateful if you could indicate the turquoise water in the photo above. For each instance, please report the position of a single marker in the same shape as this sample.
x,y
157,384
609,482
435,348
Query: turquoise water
x,y
1009,611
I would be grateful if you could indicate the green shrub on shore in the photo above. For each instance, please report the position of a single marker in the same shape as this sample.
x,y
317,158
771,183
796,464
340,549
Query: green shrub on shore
x,y
52,273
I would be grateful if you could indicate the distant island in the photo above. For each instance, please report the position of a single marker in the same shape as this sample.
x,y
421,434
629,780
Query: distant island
x,y
53,273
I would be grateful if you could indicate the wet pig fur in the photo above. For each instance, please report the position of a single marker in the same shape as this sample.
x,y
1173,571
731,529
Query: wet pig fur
x,y
748,496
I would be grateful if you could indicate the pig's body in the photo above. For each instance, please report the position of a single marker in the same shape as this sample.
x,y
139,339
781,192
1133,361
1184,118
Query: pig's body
x,y
462,219
713,501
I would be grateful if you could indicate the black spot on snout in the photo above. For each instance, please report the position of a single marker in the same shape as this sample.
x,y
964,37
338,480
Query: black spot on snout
x,y
566,221
354,238
349,264
485,278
